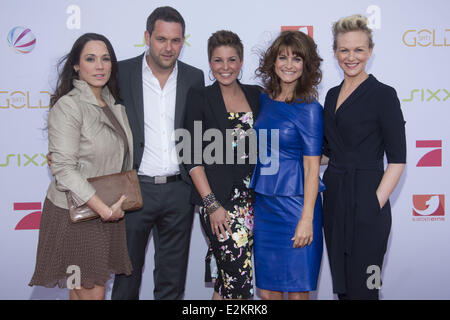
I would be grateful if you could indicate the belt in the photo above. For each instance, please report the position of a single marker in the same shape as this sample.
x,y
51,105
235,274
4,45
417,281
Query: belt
x,y
160,179
348,171
343,230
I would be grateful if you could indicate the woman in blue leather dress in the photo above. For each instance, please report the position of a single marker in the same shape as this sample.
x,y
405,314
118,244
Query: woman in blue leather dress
x,y
288,211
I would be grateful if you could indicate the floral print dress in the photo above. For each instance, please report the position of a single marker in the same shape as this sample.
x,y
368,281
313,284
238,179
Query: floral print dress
x,y
229,261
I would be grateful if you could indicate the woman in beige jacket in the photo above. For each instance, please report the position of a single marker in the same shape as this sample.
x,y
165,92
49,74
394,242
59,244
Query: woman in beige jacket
x,y
89,135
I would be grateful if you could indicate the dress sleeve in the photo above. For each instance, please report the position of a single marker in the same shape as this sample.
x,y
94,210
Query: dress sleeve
x,y
64,130
310,126
192,144
392,127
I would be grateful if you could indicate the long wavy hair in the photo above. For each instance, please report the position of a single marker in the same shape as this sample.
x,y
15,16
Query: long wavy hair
x,y
301,45
67,73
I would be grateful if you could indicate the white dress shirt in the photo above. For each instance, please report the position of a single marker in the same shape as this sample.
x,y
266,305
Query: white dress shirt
x,y
159,158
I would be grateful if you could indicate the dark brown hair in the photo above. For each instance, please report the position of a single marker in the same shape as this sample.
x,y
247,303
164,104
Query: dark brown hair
x,y
167,14
225,38
303,46
68,74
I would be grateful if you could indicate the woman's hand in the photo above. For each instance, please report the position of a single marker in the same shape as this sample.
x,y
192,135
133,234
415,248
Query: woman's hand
x,y
117,212
390,179
220,223
48,156
303,233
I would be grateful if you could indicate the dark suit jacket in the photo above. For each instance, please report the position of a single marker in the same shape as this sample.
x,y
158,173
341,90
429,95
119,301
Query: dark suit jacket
x,y
131,93
207,105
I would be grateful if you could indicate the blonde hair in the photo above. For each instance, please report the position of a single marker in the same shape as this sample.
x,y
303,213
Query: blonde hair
x,y
355,22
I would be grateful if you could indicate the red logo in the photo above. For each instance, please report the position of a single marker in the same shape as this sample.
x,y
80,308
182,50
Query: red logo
x,y
432,158
428,207
31,221
305,29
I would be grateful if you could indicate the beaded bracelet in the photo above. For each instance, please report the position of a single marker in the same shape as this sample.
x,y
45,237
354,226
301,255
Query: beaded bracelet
x,y
209,199
213,207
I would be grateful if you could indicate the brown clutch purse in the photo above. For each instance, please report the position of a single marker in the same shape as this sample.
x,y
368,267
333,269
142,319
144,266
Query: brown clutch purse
x,y
109,188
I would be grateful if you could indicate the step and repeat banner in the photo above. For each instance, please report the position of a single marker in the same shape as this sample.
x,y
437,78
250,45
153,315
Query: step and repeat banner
x,y
411,54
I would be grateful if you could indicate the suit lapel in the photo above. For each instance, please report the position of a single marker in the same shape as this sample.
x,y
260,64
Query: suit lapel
x,y
360,90
217,104
253,100
180,100
120,114
218,108
137,92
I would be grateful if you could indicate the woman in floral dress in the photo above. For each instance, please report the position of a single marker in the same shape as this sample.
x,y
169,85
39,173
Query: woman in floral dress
x,y
221,169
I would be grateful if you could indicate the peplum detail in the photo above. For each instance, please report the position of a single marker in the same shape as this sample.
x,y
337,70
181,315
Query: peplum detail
x,y
301,135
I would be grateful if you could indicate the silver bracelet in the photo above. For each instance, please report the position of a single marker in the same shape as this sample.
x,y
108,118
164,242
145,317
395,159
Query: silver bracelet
x,y
213,207
209,199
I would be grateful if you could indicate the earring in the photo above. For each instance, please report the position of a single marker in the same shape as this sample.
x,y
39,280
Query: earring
x,y
211,75
240,75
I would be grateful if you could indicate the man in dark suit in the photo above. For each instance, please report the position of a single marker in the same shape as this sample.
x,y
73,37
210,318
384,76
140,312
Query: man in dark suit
x,y
153,87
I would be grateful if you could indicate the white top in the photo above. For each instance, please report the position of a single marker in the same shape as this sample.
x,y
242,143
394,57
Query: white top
x,y
159,158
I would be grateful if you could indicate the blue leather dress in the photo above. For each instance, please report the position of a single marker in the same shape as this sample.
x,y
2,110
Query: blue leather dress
x,y
278,181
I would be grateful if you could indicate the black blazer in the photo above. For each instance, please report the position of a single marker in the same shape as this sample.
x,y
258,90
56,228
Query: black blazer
x,y
207,105
131,93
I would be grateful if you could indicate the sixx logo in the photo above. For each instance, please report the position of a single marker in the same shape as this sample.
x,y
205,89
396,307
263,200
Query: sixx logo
x,y
428,95
24,99
23,160
429,207
432,158
32,220
309,30
426,38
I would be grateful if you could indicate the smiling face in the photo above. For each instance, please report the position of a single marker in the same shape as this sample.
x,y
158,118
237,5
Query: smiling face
x,y
288,67
95,64
165,44
352,53
225,65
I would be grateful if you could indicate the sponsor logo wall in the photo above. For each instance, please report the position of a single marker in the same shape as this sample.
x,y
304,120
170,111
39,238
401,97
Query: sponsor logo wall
x,y
429,207
411,54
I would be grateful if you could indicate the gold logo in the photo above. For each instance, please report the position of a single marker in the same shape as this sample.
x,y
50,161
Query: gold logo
x,y
20,99
425,38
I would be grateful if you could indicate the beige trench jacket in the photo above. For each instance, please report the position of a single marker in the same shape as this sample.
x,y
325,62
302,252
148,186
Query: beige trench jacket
x,y
83,143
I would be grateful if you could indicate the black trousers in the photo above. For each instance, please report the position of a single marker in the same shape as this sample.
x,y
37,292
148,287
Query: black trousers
x,y
168,212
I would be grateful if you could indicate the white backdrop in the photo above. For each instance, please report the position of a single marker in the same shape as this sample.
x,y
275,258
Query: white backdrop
x,y
412,46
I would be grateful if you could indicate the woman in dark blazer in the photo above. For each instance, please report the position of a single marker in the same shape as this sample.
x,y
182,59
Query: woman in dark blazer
x,y
362,122
222,161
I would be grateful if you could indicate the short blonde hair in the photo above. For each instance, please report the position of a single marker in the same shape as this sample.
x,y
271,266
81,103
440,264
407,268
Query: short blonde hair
x,y
355,22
